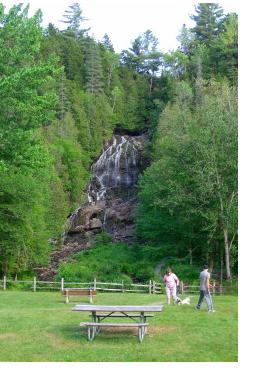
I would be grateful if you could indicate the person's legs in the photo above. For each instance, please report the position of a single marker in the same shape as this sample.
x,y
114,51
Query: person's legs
x,y
173,294
168,295
201,299
209,301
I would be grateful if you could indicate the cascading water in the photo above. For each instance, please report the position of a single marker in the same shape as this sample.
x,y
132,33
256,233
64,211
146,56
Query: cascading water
x,y
117,167
112,192
111,200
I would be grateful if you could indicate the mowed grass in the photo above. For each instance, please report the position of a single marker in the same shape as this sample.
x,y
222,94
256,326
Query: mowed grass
x,y
40,327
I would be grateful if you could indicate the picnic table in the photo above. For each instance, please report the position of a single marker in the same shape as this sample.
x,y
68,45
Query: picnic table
x,y
99,313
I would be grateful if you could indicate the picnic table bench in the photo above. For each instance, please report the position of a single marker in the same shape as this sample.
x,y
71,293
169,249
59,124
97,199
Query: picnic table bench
x,y
138,314
79,292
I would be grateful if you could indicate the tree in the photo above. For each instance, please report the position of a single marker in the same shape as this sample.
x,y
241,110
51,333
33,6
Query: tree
x,y
188,196
108,43
208,20
224,54
186,39
20,67
143,55
110,62
176,64
92,67
64,103
73,17
27,102
217,168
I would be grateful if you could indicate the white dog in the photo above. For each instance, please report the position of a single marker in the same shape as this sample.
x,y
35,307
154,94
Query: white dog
x,y
186,301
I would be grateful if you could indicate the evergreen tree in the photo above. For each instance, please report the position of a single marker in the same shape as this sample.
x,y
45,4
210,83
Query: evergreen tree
x,y
224,54
208,20
92,67
108,43
64,104
186,39
73,17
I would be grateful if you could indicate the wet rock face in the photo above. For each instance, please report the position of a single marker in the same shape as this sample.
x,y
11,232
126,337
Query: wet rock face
x,y
86,218
118,166
111,201
112,192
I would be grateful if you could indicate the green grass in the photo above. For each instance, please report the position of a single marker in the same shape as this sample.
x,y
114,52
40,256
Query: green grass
x,y
40,327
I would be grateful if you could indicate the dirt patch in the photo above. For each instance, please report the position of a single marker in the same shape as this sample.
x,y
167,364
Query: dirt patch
x,y
56,341
151,331
5,336
161,330
132,331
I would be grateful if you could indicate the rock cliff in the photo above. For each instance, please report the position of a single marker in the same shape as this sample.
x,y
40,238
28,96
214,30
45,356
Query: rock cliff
x,y
111,199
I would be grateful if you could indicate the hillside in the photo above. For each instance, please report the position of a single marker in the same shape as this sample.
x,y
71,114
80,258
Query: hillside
x,y
134,154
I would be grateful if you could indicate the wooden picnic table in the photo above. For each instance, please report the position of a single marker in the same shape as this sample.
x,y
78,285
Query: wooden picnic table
x,y
139,314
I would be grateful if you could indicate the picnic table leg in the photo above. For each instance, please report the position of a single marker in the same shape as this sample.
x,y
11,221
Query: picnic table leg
x,y
91,332
141,333
95,319
143,320
98,329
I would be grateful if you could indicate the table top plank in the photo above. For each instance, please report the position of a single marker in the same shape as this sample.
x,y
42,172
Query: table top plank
x,y
125,308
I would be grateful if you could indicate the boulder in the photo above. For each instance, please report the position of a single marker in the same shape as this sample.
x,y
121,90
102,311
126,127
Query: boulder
x,y
95,223
81,220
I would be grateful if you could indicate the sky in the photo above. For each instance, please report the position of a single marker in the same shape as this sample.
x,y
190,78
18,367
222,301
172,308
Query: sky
x,y
124,20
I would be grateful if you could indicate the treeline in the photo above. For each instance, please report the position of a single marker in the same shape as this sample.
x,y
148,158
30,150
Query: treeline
x,y
62,94
188,196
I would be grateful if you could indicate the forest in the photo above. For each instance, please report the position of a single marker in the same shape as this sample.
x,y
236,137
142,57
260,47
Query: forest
x,y
63,94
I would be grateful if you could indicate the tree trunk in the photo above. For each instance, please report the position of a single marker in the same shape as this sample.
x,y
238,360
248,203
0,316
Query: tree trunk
x,y
151,85
190,256
221,267
227,253
109,76
225,231
211,262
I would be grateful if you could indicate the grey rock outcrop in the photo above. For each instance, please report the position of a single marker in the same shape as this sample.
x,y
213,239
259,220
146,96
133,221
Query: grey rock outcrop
x,y
112,192
111,199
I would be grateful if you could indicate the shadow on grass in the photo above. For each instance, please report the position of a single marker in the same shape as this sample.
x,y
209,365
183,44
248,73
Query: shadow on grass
x,y
79,334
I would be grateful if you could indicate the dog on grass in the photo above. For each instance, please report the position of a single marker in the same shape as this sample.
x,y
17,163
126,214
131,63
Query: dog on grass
x,y
186,301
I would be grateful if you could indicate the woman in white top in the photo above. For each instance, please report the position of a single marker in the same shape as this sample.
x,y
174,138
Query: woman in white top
x,y
171,281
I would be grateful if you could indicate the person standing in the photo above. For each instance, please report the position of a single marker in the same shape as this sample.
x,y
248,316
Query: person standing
x,y
171,281
204,290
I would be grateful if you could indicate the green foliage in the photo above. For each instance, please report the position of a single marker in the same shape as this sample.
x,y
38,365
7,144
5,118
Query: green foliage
x,y
188,194
68,154
26,162
23,104
208,18
62,95
92,67
73,17
104,262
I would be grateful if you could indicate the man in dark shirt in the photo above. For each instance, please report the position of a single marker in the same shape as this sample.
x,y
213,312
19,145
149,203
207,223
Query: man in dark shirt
x,y
204,290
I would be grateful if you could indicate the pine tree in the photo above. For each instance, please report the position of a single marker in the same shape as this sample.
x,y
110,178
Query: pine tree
x,y
92,67
208,20
64,104
73,17
107,43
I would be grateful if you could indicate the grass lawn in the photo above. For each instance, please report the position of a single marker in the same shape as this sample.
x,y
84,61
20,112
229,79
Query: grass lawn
x,y
40,327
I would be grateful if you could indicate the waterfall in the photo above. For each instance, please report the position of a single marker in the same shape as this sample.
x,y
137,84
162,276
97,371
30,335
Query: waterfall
x,y
117,167
111,198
